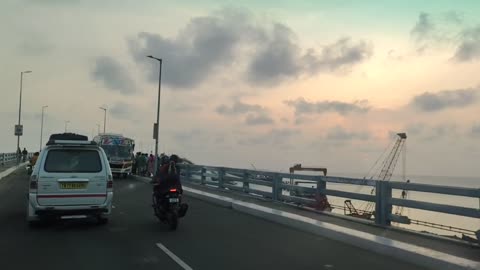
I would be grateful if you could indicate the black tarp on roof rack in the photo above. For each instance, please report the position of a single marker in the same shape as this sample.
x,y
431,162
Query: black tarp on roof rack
x,y
68,137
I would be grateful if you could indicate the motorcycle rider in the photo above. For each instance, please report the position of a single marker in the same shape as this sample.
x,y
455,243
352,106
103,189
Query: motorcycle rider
x,y
168,177
34,158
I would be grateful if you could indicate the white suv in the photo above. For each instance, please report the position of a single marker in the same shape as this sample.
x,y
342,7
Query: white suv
x,y
70,178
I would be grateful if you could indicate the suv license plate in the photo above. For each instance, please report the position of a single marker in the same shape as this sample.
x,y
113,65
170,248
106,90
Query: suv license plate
x,y
173,200
73,185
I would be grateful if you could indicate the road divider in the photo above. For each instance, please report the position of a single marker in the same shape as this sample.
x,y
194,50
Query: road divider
x,y
8,171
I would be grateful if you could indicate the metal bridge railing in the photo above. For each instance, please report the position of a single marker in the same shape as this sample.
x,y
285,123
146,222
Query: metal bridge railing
x,y
10,158
272,184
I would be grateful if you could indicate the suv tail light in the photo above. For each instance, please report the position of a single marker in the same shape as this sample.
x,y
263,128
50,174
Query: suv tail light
x,y
33,183
110,182
173,190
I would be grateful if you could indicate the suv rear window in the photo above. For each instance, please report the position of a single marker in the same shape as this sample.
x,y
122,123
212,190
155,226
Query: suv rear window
x,y
73,160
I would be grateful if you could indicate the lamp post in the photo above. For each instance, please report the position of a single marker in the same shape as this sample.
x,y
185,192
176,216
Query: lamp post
x,y
104,118
20,112
157,126
41,127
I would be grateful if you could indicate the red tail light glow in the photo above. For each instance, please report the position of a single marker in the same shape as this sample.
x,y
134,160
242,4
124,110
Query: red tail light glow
x,y
173,190
110,182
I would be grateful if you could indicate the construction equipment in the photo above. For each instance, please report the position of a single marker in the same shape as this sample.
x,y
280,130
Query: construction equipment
x,y
298,167
384,173
354,212
321,201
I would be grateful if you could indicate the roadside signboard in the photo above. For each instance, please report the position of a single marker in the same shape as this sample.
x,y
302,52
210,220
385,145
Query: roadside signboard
x,y
18,130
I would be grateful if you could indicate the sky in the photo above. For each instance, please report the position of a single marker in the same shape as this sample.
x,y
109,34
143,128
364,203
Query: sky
x,y
262,84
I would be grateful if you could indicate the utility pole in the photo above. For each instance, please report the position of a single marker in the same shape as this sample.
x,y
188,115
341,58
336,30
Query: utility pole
x,y
157,124
41,127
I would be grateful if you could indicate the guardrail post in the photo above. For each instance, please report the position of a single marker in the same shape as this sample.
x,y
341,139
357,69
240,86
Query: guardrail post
x,y
383,207
321,186
387,196
378,203
276,190
246,186
221,173
202,176
187,174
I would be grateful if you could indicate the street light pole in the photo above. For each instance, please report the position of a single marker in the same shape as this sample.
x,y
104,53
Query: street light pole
x,y
158,113
20,112
41,127
104,118
66,122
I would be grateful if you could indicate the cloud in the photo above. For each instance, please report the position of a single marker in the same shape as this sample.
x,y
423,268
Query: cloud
x,y
430,102
255,120
188,136
36,46
415,128
440,131
450,31
182,108
454,17
428,132
204,44
55,2
303,106
424,28
256,114
277,59
120,110
273,137
238,108
469,47
475,131
233,39
282,57
340,55
108,71
340,134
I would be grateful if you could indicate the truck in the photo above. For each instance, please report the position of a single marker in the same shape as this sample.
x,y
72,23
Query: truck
x,y
120,152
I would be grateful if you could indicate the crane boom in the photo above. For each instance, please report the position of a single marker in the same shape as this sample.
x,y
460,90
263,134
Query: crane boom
x,y
386,172
391,161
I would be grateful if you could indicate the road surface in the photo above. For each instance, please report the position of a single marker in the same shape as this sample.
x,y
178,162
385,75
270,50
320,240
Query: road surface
x,y
209,237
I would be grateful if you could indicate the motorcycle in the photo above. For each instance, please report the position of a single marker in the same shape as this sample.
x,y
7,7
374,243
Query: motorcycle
x,y
29,169
169,208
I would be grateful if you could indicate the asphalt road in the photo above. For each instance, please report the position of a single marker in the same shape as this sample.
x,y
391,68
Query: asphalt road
x,y
209,237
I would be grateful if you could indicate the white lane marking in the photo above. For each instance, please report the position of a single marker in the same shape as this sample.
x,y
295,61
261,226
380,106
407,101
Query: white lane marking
x,y
174,257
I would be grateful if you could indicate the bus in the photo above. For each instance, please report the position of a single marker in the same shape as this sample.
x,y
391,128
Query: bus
x,y
120,152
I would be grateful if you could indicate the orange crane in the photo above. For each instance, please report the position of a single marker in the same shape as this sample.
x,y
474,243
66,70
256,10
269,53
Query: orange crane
x,y
321,201
384,174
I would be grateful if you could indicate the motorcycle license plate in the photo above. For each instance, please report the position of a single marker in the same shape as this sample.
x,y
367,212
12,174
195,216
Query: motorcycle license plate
x,y
173,200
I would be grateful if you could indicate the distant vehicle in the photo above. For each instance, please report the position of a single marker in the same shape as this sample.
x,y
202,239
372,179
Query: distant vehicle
x,y
71,177
119,150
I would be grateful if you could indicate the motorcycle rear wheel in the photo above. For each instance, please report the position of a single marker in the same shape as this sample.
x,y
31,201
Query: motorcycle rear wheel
x,y
172,221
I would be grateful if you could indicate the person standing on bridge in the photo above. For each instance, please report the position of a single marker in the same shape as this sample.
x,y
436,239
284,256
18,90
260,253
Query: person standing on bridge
x,y
24,154
151,164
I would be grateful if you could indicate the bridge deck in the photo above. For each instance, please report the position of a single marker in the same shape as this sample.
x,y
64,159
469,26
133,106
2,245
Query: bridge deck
x,y
457,248
209,237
